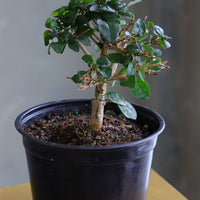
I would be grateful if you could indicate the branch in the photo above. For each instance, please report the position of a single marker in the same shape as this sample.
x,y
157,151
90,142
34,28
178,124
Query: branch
x,y
97,43
154,65
83,48
114,68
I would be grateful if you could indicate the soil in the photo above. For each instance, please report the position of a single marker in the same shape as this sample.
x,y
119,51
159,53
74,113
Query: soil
x,y
74,129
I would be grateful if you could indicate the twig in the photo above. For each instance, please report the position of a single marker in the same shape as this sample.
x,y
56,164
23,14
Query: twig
x,y
83,48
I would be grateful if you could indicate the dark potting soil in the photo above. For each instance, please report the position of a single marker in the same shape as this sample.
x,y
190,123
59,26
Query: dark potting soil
x,y
74,129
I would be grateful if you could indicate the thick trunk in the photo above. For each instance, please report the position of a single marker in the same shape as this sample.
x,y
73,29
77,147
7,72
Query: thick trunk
x,y
98,107
98,104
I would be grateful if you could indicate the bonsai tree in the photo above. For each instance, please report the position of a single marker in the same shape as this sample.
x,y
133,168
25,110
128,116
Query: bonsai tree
x,y
129,49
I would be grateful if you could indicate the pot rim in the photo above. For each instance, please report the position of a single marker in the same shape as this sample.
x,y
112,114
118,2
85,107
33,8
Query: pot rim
x,y
25,116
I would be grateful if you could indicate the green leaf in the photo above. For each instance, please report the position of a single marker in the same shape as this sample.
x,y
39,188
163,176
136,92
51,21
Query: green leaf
x,y
141,74
116,58
117,98
130,82
46,37
150,24
48,22
122,71
73,44
157,52
128,110
137,59
81,19
129,34
133,2
141,90
94,8
58,47
107,9
158,30
76,78
68,37
60,11
128,15
139,27
106,72
167,44
102,61
131,69
110,31
134,48
88,59
88,1
54,25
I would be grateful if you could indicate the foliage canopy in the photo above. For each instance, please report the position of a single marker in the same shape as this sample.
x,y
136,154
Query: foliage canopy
x,y
135,44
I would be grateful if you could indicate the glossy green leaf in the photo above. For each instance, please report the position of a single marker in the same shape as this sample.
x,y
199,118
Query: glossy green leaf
x,y
128,110
134,48
54,25
141,74
59,12
46,37
122,71
88,1
106,72
68,37
102,61
139,27
107,9
116,57
110,31
73,44
76,78
58,47
158,30
117,98
127,14
88,59
131,69
157,52
48,22
130,82
141,90
167,44
133,2
150,24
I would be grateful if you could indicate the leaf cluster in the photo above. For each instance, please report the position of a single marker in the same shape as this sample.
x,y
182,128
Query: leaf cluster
x,y
135,44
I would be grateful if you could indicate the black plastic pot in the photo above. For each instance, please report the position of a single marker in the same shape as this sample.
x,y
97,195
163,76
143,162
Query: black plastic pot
x,y
60,172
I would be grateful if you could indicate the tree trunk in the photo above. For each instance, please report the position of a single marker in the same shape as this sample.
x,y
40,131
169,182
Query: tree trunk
x,y
98,104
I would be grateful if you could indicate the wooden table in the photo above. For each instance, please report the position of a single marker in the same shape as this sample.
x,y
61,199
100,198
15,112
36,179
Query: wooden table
x,y
159,189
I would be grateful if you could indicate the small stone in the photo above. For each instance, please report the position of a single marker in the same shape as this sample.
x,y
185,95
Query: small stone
x,y
128,126
94,143
98,137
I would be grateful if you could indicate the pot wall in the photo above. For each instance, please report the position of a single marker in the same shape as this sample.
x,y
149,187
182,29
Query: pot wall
x,y
89,173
